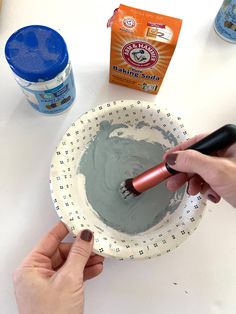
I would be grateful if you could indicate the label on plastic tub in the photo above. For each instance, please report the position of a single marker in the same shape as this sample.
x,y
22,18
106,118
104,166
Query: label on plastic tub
x,y
38,57
52,101
225,21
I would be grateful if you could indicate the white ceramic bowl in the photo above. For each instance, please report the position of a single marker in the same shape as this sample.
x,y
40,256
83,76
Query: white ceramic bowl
x,y
162,238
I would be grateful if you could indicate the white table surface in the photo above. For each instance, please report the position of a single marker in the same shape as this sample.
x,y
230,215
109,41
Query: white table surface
x,y
199,86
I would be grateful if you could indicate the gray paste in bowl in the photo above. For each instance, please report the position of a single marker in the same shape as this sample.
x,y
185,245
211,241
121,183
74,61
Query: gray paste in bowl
x,y
109,160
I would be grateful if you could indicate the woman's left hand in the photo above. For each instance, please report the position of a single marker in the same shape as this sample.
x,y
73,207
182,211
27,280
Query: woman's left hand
x,y
50,279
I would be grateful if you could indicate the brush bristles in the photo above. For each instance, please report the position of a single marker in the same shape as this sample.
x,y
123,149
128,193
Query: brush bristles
x,y
127,190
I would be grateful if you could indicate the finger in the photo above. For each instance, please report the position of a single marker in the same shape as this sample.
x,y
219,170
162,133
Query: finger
x,y
50,242
191,161
93,260
64,249
79,254
195,185
175,182
185,144
60,255
210,194
92,271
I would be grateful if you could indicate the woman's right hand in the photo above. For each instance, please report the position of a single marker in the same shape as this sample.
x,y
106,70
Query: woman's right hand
x,y
212,176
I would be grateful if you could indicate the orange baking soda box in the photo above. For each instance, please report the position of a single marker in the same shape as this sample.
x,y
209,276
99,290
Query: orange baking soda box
x,y
142,45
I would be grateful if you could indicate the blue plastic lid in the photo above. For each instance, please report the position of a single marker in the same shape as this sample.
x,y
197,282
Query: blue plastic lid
x,y
36,53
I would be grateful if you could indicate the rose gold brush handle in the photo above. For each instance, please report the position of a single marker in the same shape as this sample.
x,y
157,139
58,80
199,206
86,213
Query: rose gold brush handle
x,y
151,177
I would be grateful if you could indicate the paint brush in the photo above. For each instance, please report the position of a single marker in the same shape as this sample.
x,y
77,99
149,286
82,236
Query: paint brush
x,y
219,139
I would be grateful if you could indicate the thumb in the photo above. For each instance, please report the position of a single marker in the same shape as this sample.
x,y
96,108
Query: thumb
x,y
191,161
79,253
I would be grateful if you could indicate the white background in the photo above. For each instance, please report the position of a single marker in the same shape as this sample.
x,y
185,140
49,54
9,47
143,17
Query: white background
x,y
199,86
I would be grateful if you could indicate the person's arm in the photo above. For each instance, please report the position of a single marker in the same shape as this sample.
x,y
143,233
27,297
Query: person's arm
x,y
213,176
50,279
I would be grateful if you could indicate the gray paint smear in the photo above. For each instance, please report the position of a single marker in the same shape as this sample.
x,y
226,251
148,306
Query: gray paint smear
x,y
110,160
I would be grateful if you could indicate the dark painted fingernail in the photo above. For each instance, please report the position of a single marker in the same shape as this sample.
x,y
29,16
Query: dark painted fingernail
x,y
171,159
212,198
86,235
